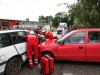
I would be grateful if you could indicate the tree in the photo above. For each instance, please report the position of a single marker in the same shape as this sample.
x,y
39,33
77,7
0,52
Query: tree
x,y
41,18
87,11
49,18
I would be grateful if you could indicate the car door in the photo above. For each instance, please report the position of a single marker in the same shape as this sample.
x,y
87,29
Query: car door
x,y
73,47
93,46
19,41
7,50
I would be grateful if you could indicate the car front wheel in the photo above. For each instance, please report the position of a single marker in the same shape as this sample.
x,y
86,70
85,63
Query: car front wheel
x,y
48,53
13,67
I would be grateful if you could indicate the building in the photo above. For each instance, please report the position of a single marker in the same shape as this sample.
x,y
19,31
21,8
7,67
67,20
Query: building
x,y
8,23
31,24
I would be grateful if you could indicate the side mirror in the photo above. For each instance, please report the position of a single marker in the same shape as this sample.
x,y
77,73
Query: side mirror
x,y
60,42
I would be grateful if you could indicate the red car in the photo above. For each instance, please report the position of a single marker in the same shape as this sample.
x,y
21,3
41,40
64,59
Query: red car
x,y
77,45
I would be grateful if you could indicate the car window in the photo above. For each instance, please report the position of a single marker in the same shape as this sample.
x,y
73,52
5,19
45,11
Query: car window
x,y
62,38
93,37
21,37
18,37
14,38
5,40
76,38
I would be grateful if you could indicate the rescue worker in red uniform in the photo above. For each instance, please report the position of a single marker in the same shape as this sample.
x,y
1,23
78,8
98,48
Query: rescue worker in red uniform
x,y
32,45
48,35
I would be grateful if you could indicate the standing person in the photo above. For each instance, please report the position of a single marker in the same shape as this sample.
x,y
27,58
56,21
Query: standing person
x,y
32,44
64,31
47,34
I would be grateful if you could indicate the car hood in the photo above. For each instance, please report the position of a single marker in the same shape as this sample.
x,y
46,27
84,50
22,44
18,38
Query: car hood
x,y
49,42
48,45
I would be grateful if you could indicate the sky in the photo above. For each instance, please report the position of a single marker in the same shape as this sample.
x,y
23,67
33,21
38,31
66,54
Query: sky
x,y
32,9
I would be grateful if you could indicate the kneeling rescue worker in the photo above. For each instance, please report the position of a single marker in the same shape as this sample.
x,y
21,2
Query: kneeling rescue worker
x,y
32,45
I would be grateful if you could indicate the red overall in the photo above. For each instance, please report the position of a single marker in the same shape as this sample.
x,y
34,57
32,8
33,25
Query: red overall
x,y
48,35
32,45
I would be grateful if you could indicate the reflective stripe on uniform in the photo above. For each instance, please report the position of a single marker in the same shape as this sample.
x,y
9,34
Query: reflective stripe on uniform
x,y
36,60
30,62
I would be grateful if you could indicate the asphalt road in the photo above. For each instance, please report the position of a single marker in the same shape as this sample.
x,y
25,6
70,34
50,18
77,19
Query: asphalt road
x,y
65,68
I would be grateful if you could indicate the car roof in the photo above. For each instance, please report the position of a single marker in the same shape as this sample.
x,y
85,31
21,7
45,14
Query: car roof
x,y
88,29
8,31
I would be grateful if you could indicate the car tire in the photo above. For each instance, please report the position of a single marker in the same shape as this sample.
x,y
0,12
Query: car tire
x,y
48,53
13,67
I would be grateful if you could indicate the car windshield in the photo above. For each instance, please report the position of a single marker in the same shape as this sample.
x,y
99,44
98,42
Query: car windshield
x,y
62,38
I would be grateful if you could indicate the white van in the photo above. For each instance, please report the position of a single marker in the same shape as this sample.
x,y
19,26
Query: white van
x,y
12,51
61,27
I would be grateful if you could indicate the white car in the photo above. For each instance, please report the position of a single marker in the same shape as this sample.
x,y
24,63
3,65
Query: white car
x,y
12,51
61,27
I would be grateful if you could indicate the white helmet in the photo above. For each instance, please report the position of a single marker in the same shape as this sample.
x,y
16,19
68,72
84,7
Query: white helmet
x,y
43,31
31,32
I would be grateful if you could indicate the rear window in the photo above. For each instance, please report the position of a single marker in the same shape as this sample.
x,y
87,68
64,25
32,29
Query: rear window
x,y
94,37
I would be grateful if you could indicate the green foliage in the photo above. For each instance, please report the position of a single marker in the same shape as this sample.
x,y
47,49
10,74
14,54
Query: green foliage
x,y
46,19
86,11
81,14
41,18
76,21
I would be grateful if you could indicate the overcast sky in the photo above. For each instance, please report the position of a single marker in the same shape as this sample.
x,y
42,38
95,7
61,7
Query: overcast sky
x,y
32,9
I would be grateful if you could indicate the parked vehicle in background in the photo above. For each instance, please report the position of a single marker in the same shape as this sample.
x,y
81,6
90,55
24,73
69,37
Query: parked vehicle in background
x,y
12,51
77,45
61,27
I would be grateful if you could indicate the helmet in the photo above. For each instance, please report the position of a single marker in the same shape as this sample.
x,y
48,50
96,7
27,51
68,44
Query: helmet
x,y
31,32
43,31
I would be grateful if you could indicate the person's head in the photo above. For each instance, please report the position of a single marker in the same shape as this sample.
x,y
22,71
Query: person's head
x,y
65,27
31,32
